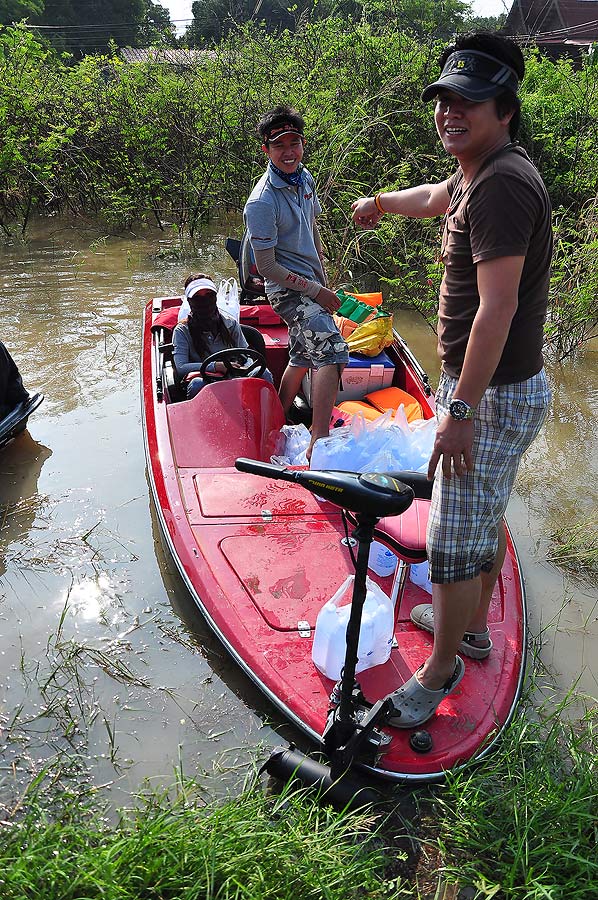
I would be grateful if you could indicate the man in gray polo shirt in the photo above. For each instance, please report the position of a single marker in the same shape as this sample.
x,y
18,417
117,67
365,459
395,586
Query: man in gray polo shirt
x,y
280,217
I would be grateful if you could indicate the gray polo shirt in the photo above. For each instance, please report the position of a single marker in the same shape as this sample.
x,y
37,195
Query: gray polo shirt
x,y
281,216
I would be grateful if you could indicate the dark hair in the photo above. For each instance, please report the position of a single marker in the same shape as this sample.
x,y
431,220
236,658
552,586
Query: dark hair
x,y
194,277
197,328
506,51
280,115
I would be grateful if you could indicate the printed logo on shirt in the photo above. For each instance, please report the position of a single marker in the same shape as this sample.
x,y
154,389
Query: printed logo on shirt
x,y
308,196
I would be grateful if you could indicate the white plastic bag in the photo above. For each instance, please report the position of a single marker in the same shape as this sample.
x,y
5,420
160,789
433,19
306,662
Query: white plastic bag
x,y
291,451
375,637
385,444
227,298
184,310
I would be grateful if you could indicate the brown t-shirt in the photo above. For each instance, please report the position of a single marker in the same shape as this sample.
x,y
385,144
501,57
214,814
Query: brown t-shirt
x,y
505,211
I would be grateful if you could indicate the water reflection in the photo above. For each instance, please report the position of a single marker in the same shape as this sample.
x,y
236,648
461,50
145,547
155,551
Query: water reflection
x,y
21,463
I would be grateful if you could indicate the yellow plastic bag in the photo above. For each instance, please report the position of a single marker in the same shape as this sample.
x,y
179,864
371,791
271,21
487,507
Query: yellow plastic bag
x,y
370,338
348,326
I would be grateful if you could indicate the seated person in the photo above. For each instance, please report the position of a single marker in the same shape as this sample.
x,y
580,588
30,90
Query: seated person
x,y
204,332
12,391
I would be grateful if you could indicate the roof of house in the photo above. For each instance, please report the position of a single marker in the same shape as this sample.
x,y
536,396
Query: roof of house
x,y
168,55
563,21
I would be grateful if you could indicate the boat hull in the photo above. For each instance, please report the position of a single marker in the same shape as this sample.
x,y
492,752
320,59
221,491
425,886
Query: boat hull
x,y
16,420
261,557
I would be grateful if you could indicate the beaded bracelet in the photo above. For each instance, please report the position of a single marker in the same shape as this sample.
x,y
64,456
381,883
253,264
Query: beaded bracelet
x,y
379,206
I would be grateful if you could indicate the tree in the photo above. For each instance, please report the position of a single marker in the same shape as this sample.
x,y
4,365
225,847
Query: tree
x,y
16,10
89,26
157,27
213,19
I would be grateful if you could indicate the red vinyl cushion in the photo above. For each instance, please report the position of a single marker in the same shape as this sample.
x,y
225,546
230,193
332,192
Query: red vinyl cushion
x,y
260,314
406,534
166,319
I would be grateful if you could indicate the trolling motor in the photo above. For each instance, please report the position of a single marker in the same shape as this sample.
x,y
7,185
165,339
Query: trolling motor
x,y
350,733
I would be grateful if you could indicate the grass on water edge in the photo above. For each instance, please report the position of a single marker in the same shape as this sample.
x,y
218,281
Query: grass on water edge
x,y
523,824
575,549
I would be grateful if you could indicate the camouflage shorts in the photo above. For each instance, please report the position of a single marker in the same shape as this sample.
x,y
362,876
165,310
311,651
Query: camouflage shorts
x,y
314,339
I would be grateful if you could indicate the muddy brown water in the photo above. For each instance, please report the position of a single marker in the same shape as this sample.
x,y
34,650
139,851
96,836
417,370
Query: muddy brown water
x,y
104,661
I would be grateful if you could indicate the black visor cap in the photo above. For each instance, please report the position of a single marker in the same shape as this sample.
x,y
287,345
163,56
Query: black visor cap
x,y
473,75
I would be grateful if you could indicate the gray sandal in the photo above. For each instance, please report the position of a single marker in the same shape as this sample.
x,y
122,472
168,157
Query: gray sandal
x,y
414,704
423,617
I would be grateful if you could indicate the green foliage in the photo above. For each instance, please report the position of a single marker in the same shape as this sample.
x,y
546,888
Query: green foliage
x,y
573,311
80,27
174,145
523,826
560,127
249,847
15,10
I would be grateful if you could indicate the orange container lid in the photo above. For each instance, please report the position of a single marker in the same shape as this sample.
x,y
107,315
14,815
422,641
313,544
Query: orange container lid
x,y
374,299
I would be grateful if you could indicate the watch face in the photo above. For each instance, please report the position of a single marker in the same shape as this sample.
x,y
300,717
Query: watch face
x,y
460,410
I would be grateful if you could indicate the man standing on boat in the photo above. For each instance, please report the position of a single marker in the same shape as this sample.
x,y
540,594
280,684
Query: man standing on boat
x,y
280,217
493,396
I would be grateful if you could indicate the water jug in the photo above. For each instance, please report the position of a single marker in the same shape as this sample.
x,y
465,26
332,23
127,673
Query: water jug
x,y
418,574
375,637
381,560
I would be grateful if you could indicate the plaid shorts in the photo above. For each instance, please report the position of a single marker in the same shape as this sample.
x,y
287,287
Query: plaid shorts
x,y
314,339
462,537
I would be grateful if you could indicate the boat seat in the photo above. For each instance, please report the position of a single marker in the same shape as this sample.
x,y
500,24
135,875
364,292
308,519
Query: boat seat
x,y
228,419
405,535
254,338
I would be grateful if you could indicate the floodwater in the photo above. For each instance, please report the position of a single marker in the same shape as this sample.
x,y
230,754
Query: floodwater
x,y
104,662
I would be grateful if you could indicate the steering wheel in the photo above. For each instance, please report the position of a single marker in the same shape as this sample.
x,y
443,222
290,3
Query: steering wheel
x,y
239,362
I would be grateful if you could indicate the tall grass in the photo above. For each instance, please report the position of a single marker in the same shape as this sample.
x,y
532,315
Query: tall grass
x,y
250,847
575,548
524,824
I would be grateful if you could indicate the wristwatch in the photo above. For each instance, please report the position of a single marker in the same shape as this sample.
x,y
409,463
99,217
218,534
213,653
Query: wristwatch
x,y
461,411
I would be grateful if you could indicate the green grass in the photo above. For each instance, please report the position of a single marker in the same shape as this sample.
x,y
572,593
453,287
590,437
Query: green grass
x,y
524,824
250,847
575,548
521,825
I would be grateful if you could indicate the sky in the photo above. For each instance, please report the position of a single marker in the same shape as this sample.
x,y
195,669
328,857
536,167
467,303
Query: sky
x,y
181,9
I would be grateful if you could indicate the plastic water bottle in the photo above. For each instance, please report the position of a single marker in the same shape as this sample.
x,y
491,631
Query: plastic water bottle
x,y
375,636
381,560
418,574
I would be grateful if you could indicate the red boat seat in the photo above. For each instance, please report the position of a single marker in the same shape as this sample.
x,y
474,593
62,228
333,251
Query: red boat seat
x,y
240,417
405,535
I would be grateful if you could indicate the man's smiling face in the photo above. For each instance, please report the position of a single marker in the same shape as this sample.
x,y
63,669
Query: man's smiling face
x,y
469,130
286,152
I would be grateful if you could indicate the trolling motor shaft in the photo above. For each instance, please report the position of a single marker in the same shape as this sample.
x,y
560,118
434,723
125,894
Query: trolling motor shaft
x,y
370,496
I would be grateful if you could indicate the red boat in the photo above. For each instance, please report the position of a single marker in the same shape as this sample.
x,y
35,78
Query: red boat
x,y
260,556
